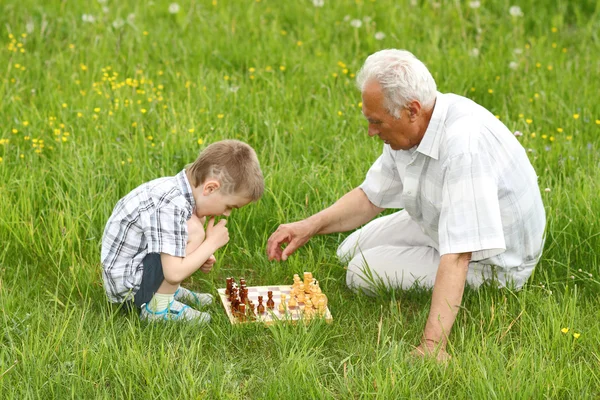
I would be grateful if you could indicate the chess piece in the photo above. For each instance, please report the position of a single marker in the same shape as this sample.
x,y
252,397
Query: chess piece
x,y
270,302
321,304
261,307
282,304
308,309
292,302
228,287
242,282
307,280
301,295
242,312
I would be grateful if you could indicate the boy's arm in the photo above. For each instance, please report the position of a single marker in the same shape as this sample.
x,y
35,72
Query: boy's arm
x,y
176,269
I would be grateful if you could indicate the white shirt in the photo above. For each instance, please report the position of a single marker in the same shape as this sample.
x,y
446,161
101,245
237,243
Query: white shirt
x,y
468,184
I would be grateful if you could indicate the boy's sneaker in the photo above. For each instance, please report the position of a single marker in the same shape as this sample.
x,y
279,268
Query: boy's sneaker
x,y
196,299
176,311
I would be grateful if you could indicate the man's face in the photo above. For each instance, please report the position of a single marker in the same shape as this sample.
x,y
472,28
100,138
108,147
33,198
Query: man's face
x,y
400,133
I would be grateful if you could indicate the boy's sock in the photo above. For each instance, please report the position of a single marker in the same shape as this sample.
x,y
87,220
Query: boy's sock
x,y
160,302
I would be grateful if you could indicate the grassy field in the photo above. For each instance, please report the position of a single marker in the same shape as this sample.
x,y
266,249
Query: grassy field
x,y
97,97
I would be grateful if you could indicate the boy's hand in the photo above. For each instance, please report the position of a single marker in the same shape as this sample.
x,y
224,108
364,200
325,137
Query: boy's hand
x,y
217,235
208,264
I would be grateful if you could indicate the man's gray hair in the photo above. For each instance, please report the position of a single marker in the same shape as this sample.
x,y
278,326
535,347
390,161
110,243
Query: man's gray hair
x,y
402,77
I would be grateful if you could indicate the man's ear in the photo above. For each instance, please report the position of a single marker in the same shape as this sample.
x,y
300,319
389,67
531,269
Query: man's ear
x,y
414,109
211,186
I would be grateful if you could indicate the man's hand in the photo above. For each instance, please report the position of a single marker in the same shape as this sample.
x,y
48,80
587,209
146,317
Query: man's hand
x,y
429,349
207,266
295,235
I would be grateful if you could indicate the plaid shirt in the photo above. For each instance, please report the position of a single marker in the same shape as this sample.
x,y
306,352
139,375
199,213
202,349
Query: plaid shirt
x,y
468,184
150,219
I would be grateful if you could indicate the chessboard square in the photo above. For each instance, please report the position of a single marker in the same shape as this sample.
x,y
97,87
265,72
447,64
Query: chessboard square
x,y
274,288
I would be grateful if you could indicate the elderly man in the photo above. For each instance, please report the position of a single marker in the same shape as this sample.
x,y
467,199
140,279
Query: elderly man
x,y
472,210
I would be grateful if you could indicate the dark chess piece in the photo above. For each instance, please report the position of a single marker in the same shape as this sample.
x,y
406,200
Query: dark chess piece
x,y
241,312
261,308
229,284
270,302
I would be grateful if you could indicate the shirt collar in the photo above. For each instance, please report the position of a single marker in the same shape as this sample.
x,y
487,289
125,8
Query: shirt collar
x,y
185,187
430,144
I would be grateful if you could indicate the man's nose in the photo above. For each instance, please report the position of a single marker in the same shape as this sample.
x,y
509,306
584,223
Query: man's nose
x,y
373,131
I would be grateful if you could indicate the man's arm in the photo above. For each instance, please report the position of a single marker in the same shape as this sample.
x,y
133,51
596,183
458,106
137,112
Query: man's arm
x,y
445,302
349,212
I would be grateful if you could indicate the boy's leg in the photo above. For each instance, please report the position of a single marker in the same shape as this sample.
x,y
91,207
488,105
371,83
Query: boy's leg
x,y
156,296
196,236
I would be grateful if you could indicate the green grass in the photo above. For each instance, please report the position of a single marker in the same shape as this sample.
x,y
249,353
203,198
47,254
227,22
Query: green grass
x,y
192,71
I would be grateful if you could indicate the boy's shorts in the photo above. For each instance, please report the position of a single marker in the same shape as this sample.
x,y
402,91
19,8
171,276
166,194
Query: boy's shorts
x,y
152,278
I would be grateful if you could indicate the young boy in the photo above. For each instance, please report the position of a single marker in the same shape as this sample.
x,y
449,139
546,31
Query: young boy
x,y
155,237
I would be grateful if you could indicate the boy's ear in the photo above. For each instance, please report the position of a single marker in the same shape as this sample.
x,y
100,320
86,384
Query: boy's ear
x,y
211,186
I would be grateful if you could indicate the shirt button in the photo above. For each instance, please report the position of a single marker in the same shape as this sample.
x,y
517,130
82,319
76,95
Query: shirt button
x,y
408,192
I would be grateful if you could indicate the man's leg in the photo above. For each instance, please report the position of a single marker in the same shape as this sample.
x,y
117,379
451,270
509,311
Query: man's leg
x,y
396,229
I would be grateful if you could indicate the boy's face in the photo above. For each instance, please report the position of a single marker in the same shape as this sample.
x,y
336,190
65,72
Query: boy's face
x,y
210,201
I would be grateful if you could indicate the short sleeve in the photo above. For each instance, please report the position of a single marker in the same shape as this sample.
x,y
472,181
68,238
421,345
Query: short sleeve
x,y
382,184
167,231
470,218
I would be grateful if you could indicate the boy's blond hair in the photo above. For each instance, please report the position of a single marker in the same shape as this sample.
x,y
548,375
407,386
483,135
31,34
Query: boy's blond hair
x,y
234,164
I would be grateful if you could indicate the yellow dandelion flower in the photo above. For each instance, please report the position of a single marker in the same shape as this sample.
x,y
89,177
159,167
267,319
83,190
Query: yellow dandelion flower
x,y
345,71
21,155
490,91
149,137
536,95
64,134
497,116
71,46
251,69
191,130
359,104
544,136
122,162
554,45
552,138
598,122
472,89
569,137
0,159
145,33
352,75
564,50
559,130
15,130
550,67
64,105
221,116
299,43
143,110
576,116
538,65
532,134
133,124
226,77
97,109
564,330
251,76
25,123
214,3
283,32
200,141
83,67
576,335
340,113
64,139
529,120
554,29
282,67
335,75
79,115
130,160
521,115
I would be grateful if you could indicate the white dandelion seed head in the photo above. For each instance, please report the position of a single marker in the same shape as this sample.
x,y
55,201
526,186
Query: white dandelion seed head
x,y
131,18
367,19
475,4
414,3
118,23
88,18
105,10
513,65
174,8
518,51
29,27
515,11
356,23
547,190
379,35
474,52
518,133
346,18
318,3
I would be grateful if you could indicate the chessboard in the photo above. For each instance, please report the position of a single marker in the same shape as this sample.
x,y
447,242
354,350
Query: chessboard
x,y
268,317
